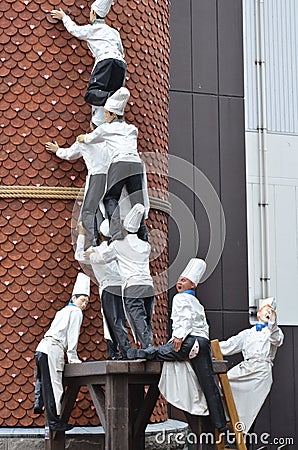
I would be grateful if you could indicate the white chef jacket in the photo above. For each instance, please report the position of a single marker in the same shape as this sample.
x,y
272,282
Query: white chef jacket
x,y
260,345
103,41
65,330
188,316
251,380
105,274
132,255
121,139
62,336
96,157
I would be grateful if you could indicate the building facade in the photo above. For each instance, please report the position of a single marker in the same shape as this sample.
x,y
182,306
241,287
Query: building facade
x,y
213,125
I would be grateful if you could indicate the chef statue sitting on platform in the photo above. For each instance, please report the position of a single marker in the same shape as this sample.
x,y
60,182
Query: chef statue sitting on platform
x,y
190,341
254,375
62,337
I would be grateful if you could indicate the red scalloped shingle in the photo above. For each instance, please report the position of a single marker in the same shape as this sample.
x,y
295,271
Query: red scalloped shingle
x,y
46,73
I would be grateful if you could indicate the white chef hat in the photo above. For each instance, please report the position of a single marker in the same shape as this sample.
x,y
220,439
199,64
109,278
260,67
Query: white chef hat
x,y
194,270
117,102
98,117
133,219
82,285
101,7
105,228
270,301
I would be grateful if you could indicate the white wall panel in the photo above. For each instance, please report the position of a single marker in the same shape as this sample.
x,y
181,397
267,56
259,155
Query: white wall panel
x,y
281,56
286,254
283,222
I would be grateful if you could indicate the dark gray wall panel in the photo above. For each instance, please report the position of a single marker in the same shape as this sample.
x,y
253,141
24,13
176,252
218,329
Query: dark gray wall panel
x,y
206,159
211,290
282,397
181,126
215,320
234,322
230,52
233,196
204,45
180,76
206,137
181,145
277,414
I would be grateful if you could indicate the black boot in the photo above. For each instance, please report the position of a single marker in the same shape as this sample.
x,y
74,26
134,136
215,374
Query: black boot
x,y
146,353
113,353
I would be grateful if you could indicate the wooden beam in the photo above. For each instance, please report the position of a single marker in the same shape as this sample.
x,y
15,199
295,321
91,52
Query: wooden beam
x,y
98,398
146,410
98,368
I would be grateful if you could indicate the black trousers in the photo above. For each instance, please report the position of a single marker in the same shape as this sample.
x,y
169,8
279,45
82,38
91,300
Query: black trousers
x,y
91,214
43,387
114,313
202,366
130,175
140,311
106,78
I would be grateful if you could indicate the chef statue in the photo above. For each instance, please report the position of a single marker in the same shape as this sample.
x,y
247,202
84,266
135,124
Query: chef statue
x,y
132,255
189,342
126,169
104,42
110,291
97,160
251,380
62,337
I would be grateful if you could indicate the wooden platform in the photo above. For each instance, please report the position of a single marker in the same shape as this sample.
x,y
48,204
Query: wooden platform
x,y
117,389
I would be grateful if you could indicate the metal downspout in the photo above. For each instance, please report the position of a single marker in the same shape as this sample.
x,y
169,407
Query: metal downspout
x,y
263,151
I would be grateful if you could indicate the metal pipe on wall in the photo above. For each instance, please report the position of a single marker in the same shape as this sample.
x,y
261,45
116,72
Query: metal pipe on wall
x,y
262,146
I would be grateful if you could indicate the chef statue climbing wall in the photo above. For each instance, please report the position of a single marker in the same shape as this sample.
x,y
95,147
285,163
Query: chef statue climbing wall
x,y
44,74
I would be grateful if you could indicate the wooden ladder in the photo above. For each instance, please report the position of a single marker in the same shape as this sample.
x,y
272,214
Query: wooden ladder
x,y
228,401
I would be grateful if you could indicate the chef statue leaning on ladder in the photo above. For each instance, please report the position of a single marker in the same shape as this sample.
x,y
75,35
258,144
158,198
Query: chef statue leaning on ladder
x,y
104,42
97,160
109,283
132,255
190,341
62,337
126,169
254,375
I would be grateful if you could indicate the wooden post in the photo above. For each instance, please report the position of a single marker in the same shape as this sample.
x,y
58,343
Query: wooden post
x,y
117,412
136,436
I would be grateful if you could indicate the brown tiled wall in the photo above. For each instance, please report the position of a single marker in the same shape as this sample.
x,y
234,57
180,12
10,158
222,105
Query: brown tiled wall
x,y
45,73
